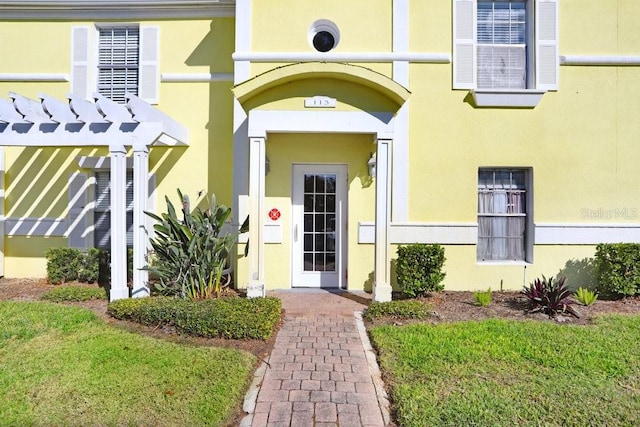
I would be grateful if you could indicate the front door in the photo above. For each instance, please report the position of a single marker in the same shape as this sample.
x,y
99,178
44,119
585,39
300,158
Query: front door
x,y
319,226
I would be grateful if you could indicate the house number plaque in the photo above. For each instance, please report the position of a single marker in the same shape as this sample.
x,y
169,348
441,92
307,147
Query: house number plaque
x,y
320,102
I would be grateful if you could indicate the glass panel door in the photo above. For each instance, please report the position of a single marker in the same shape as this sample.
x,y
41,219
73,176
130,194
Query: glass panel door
x,y
319,228
318,225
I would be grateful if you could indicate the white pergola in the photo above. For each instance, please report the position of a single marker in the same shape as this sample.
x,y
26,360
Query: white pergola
x,y
82,123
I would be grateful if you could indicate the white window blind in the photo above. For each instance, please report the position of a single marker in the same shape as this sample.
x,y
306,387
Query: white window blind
x,y
102,210
502,215
502,44
118,62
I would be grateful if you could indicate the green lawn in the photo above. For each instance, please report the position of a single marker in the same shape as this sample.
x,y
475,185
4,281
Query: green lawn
x,y
61,365
506,373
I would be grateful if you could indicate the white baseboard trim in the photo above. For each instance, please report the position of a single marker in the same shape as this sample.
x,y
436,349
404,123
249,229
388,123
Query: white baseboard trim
x,y
36,227
402,233
467,233
586,234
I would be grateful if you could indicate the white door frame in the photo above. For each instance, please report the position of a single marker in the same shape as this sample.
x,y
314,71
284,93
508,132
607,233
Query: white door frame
x,y
299,276
379,125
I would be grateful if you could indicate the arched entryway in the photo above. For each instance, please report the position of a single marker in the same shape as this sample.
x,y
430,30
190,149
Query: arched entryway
x,y
319,99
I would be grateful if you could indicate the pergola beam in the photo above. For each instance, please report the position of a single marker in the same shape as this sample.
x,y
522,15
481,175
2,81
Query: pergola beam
x,y
80,123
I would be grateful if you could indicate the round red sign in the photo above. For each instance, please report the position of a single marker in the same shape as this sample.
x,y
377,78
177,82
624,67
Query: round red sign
x,y
274,214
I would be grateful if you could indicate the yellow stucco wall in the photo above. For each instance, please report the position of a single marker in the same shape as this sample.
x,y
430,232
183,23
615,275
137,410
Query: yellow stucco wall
x,y
364,26
580,142
37,179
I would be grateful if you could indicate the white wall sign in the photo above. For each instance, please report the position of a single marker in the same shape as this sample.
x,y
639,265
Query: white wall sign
x,y
320,102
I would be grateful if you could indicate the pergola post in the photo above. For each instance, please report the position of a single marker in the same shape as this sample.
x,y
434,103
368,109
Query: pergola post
x,y
140,234
256,285
119,288
382,277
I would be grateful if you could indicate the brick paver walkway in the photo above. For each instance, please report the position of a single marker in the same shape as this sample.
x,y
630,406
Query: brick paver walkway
x,y
319,372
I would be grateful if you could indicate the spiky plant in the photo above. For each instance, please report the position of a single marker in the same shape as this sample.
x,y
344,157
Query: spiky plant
x,y
585,296
550,296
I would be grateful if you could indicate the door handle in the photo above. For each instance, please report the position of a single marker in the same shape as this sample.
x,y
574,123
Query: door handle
x,y
295,233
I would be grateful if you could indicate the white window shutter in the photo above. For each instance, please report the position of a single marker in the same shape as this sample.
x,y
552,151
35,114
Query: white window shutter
x,y
464,37
149,78
80,54
547,44
79,217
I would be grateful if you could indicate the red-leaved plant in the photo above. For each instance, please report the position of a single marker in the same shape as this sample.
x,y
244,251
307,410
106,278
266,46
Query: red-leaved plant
x,y
550,296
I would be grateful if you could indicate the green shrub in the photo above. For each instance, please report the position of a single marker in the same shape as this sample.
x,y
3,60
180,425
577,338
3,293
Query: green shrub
x,y
191,253
618,267
89,271
419,268
74,293
585,296
128,308
62,264
482,298
550,296
71,264
401,309
93,266
235,318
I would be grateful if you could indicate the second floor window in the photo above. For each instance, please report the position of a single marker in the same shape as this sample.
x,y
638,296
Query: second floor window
x,y
505,45
502,44
118,62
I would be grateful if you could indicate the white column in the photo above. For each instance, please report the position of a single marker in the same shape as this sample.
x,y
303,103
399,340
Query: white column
x,y
119,288
2,170
140,235
255,287
382,276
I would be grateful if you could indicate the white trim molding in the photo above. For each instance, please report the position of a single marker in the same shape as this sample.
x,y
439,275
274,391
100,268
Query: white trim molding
x,y
36,227
601,60
402,233
263,121
423,57
196,77
527,98
586,234
34,77
111,9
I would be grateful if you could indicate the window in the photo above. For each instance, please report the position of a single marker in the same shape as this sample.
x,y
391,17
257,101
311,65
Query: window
x,y
502,44
503,215
505,45
114,59
102,210
118,62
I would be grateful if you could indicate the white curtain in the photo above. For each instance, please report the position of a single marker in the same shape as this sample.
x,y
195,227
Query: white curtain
x,y
501,225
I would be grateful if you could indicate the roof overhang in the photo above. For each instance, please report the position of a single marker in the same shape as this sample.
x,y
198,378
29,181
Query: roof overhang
x,y
80,123
315,70
133,9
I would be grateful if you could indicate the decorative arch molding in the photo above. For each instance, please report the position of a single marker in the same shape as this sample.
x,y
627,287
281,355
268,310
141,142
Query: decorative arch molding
x,y
378,124
355,74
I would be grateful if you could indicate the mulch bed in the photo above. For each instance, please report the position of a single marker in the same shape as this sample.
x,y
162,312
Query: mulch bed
x,y
453,306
